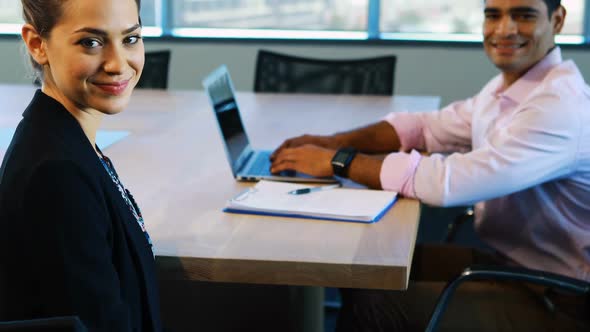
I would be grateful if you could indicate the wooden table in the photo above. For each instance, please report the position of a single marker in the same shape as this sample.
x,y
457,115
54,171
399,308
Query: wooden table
x,y
174,163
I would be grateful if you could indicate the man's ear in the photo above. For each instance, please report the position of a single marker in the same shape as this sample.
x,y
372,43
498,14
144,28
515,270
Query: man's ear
x,y
34,43
557,19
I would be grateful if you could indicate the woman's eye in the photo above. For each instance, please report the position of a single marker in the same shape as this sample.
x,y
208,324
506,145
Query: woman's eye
x,y
89,43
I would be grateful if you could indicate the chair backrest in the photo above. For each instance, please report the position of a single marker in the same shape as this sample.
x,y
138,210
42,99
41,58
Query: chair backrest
x,y
277,72
155,70
52,324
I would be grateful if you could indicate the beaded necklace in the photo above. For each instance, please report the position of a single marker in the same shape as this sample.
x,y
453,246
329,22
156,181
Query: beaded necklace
x,y
127,197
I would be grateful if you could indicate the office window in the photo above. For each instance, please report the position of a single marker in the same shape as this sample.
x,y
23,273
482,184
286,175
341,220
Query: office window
x,y
455,16
318,19
574,21
11,17
148,13
348,15
10,12
427,16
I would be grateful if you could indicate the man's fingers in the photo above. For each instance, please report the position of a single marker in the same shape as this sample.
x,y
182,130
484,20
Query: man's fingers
x,y
282,166
283,155
285,145
276,152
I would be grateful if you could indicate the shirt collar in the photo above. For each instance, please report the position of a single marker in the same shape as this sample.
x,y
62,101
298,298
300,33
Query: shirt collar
x,y
521,88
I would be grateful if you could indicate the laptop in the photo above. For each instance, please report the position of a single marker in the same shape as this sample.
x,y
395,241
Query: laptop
x,y
246,163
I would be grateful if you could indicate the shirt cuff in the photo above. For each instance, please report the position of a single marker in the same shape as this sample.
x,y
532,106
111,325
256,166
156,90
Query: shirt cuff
x,y
409,127
398,171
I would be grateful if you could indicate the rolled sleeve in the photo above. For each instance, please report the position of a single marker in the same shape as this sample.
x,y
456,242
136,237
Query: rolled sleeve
x,y
397,172
535,147
409,128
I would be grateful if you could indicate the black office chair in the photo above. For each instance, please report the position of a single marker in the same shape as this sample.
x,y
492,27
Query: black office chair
x,y
504,273
498,273
462,219
277,72
155,70
52,324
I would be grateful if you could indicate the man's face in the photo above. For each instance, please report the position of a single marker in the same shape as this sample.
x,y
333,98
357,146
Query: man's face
x,y
519,33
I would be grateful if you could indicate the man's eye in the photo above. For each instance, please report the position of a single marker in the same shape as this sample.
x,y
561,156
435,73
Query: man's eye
x,y
132,39
524,17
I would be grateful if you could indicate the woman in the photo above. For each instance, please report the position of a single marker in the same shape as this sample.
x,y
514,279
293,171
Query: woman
x,y
72,239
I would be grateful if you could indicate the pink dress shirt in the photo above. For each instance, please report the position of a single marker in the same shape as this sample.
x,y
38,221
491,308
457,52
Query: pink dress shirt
x,y
521,153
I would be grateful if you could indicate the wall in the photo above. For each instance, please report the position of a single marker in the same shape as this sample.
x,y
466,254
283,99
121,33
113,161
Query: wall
x,y
450,72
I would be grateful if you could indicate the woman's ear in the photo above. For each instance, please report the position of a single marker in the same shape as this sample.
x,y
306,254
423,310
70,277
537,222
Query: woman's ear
x,y
34,43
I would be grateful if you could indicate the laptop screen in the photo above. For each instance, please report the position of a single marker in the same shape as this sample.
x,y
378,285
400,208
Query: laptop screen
x,y
219,87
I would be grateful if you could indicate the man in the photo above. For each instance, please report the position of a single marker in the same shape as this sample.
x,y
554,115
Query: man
x,y
520,149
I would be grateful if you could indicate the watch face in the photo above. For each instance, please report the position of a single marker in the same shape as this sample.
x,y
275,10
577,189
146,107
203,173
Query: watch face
x,y
340,158
341,161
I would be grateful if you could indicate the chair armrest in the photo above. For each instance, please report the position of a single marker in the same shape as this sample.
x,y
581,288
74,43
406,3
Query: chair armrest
x,y
543,278
456,224
504,273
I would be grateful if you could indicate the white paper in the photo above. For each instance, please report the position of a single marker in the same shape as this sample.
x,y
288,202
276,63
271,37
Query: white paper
x,y
339,203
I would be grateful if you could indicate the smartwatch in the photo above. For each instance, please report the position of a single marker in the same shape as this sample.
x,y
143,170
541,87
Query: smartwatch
x,y
342,159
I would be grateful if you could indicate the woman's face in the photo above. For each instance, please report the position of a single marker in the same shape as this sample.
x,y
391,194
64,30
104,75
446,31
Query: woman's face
x,y
94,55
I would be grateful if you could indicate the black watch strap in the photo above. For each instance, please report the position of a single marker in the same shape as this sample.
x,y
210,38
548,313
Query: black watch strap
x,y
342,159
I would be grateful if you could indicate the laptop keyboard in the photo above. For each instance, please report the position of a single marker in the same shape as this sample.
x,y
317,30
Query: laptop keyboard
x,y
261,165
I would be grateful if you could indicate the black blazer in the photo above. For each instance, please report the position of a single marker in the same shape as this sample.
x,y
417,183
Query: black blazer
x,y
69,244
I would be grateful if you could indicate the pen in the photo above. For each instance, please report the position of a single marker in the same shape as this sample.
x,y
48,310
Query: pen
x,y
313,189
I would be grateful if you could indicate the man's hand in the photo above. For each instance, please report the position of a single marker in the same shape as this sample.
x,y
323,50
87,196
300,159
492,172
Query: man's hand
x,y
328,142
307,158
